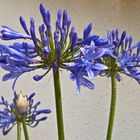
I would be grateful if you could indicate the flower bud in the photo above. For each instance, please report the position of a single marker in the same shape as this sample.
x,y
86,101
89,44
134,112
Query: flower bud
x,y
37,77
22,104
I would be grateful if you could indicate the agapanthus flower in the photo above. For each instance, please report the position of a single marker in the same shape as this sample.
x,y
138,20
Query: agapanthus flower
x,y
22,106
127,56
61,48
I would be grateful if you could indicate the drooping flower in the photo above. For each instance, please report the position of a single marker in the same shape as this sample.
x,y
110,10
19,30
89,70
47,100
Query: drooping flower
x,y
21,106
62,48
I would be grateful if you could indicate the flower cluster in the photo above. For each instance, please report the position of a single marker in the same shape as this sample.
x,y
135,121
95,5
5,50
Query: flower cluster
x,y
62,49
127,55
25,107
84,57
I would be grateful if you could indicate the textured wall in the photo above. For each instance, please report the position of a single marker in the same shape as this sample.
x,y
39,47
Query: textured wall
x,y
86,114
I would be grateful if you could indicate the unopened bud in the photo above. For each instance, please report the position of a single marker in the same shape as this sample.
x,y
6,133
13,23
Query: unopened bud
x,y
22,104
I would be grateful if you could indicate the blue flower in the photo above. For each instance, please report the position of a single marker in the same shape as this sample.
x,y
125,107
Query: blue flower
x,y
127,55
86,65
79,75
53,49
10,114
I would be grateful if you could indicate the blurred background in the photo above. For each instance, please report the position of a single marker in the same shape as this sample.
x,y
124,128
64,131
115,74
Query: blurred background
x,y
85,115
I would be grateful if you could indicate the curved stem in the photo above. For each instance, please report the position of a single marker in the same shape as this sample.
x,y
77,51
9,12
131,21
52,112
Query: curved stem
x,y
112,107
18,130
58,102
25,129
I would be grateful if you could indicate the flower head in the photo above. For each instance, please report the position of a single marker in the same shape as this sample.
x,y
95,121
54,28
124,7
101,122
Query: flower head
x,y
60,48
127,55
21,106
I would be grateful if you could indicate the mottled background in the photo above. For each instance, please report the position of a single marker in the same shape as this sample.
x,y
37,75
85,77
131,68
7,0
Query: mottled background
x,y
86,114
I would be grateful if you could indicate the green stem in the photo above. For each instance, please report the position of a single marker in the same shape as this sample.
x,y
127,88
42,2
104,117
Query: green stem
x,y
112,106
18,130
25,129
58,102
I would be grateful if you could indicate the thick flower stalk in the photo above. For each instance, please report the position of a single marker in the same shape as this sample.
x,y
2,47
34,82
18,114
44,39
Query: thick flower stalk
x,y
126,61
23,111
54,50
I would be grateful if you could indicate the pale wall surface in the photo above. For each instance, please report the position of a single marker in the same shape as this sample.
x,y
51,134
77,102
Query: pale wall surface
x,y
86,114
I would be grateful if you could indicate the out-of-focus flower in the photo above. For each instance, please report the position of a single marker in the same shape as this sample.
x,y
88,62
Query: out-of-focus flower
x,y
52,50
21,107
127,56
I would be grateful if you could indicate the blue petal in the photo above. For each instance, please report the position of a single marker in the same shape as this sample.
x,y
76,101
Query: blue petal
x,y
31,96
88,40
23,23
78,85
42,119
32,31
87,31
37,77
90,72
59,15
73,40
99,66
86,83
9,76
46,16
36,105
9,34
101,41
45,111
65,18
97,55
58,51
122,37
